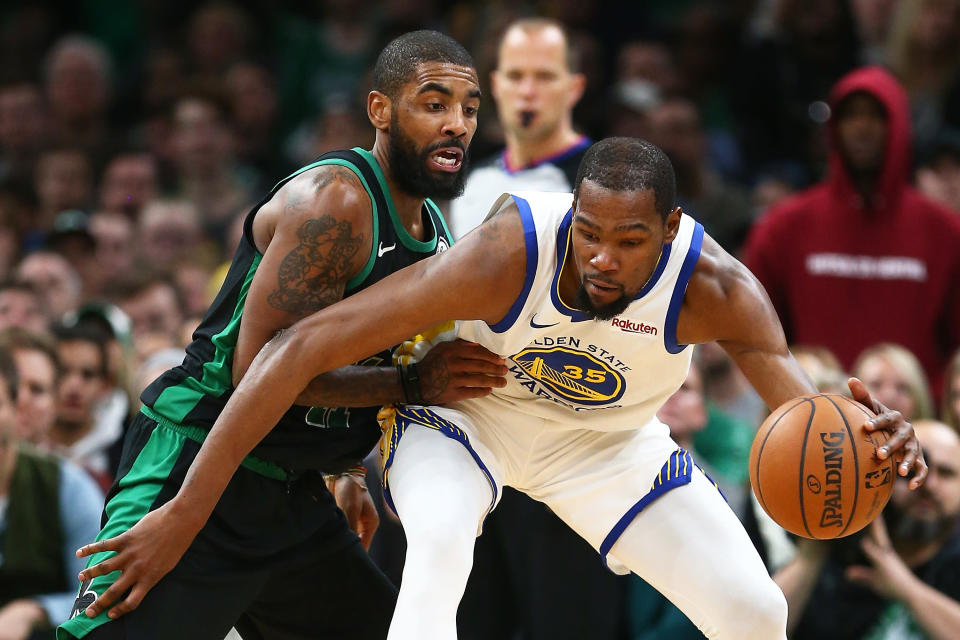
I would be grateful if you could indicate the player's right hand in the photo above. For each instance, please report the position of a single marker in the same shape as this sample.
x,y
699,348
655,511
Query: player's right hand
x,y
457,370
144,554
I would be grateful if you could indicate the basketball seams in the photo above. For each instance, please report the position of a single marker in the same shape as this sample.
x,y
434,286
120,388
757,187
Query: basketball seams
x,y
856,463
759,485
803,457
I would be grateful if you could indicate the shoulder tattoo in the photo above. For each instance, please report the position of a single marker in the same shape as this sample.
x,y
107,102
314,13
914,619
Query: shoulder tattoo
x,y
313,275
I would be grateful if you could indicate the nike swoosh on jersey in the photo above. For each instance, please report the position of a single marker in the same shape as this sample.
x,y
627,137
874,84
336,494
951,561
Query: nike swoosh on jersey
x,y
382,249
533,323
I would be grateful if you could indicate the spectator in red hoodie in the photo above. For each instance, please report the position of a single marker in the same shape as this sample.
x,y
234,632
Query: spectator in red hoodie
x,y
863,257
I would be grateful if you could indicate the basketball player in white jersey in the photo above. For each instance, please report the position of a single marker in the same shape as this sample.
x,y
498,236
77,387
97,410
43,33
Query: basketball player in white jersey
x,y
593,300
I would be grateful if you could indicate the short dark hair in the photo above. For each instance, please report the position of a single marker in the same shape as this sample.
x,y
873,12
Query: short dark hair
x,y
86,333
8,371
630,164
399,60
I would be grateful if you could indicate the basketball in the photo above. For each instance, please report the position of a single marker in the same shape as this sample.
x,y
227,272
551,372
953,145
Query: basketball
x,y
813,468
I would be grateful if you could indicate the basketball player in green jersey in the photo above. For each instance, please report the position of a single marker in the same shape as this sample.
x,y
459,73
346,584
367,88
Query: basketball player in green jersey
x,y
277,559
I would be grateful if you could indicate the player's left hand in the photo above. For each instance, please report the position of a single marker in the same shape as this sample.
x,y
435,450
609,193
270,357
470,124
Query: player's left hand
x,y
888,575
902,441
353,498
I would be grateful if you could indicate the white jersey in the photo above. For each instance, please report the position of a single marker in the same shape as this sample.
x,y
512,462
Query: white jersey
x,y
570,369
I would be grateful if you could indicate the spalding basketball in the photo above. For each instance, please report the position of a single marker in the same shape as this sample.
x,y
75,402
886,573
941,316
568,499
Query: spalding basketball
x,y
813,467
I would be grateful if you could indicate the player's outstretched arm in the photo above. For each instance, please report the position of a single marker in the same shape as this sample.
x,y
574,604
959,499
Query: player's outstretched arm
x,y
724,302
478,278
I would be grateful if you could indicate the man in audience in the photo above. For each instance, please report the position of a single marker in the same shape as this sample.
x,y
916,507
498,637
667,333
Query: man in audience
x,y
38,369
47,508
829,253
76,433
900,578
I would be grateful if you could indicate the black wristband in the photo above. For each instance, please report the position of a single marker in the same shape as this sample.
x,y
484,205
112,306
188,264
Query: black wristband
x,y
415,393
410,384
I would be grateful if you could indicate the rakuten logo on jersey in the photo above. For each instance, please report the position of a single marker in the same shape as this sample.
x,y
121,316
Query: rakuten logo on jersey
x,y
630,326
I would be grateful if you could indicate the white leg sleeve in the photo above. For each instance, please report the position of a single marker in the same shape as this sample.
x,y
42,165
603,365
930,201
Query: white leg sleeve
x,y
440,495
690,546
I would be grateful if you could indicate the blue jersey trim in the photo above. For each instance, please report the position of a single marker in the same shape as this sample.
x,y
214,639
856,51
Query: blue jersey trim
x,y
679,289
576,147
657,272
563,241
406,416
533,249
675,472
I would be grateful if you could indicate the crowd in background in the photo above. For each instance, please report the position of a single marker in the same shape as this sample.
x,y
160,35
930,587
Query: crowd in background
x,y
135,136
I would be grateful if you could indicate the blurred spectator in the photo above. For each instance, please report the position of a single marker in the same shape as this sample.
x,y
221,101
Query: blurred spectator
x,y
167,231
192,276
114,247
644,73
77,82
726,387
48,509
76,433
18,214
70,237
155,307
721,207
924,54
23,129
206,170
951,393
768,191
254,112
899,579
324,60
38,368
340,126
938,177
823,368
781,79
874,19
536,85
52,276
156,364
828,254
218,35
130,180
23,306
895,378
704,43
63,180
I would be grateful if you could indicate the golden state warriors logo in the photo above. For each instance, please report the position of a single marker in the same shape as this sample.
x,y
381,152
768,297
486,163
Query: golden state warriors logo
x,y
572,375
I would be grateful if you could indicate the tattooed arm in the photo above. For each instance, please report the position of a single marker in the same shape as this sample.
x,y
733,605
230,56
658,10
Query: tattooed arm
x,y
315,235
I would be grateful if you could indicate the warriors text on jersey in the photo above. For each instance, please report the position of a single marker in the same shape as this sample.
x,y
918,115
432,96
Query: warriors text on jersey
x,y
195,392
568,368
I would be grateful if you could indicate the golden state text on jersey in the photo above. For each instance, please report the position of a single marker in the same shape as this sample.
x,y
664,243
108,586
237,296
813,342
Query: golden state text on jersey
x,y
573,370
570,371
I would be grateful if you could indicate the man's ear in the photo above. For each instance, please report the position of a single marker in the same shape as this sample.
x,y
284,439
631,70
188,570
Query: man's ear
x,y
578,84
378,110
672,225
495,84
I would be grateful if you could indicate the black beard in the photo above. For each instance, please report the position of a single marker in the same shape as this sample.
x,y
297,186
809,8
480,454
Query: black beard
x,y
905,528
605,312
408,167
